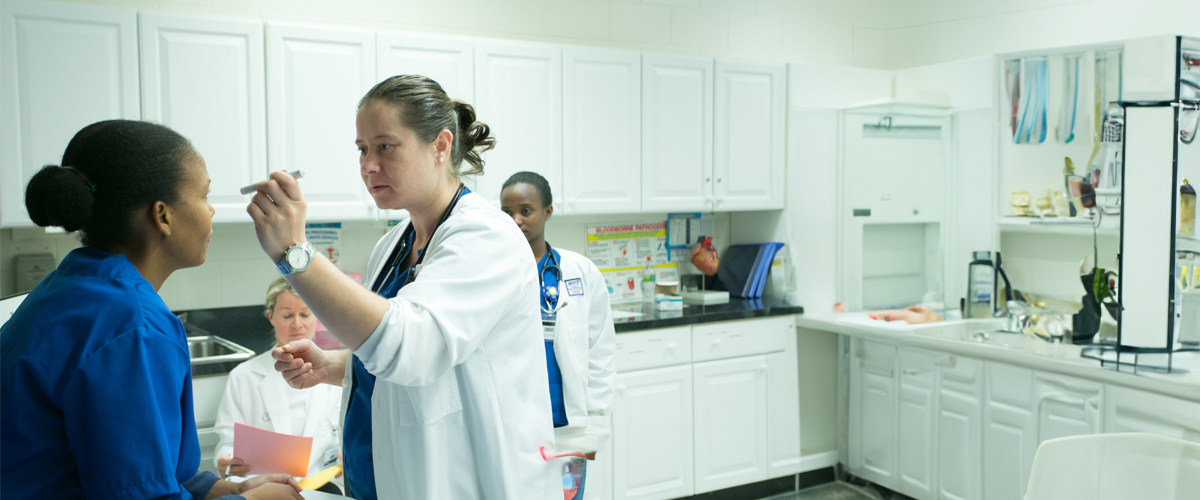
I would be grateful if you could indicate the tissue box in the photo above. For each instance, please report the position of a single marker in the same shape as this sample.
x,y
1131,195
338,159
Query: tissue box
x,y
668,302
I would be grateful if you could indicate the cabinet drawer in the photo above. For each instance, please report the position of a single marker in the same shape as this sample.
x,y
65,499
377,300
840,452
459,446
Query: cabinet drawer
x,y
666,347
739,338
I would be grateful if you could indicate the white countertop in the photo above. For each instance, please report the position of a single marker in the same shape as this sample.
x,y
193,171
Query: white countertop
x,y
1012,349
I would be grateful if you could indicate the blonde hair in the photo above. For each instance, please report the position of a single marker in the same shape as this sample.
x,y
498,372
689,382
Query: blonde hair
x,y
277,287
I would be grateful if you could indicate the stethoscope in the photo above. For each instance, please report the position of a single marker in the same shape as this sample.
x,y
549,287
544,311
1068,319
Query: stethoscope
x,y
551,291
400,252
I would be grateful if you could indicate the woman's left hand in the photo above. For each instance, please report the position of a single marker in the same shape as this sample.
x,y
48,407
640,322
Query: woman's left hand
x,y
278,210
257,481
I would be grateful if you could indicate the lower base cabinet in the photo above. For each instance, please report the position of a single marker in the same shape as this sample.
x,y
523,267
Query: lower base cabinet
x,y
652,434
730,422
940,426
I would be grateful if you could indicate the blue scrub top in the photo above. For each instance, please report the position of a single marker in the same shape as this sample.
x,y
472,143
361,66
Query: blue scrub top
x,y
558,407
97,388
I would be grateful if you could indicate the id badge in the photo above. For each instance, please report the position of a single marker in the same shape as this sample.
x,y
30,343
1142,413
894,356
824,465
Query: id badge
x,y
548,327
331,458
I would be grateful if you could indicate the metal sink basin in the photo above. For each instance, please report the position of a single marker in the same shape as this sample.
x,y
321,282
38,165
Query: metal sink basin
x,y
209,349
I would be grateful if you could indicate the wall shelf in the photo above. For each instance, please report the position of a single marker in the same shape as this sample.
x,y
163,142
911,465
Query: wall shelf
x,y
1109,226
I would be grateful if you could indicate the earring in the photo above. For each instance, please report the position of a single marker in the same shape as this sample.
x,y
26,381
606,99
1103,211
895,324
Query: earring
x,y
440,158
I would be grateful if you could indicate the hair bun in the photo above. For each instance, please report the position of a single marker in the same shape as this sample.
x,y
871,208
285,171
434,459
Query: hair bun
x,y
57,196
475,137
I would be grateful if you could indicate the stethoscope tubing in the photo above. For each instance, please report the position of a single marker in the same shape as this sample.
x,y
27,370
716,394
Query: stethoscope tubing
x,y
551,265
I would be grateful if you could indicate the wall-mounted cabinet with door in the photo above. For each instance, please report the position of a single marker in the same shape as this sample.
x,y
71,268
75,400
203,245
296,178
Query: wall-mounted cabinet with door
x,y
612,131
62,66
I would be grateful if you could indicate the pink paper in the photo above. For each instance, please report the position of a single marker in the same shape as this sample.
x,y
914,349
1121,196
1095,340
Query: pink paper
x,y
269,452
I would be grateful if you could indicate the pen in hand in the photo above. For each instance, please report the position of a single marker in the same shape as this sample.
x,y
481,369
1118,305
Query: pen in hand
x,y
298,174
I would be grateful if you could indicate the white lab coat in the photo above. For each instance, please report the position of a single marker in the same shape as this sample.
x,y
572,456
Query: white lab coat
x,y
584,343
256,395
460,407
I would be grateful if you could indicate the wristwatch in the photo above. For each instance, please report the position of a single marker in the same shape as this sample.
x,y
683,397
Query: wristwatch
x,y
296,258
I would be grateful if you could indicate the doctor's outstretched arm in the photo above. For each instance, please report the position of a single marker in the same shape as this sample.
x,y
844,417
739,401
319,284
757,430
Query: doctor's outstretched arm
x,y
349,311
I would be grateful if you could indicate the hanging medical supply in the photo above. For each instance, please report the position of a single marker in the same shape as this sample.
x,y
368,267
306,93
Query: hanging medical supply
x,y
1070,103
1031,114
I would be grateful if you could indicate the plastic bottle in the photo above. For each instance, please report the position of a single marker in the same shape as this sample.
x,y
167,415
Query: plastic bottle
x,y
648,282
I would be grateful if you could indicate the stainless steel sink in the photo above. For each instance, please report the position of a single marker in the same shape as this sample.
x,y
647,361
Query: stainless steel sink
x,y
208,349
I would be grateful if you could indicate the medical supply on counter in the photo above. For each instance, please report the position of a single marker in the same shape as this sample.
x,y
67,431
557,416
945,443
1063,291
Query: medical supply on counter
x,y
981,286
648,280
1187,209
298,174
705,297
704,256
668,302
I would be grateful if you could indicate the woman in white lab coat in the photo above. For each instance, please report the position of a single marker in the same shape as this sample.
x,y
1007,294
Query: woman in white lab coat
x,y
576,320
445,393
257,396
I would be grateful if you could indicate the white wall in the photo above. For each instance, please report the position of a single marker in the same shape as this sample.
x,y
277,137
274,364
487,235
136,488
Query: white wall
x,y
763,29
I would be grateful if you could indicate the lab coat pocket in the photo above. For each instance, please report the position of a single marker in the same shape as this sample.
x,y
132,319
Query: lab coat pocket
x,y
426,404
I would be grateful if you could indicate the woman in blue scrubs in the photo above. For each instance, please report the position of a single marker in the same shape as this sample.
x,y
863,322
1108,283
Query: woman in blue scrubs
x,y
577,327
96,373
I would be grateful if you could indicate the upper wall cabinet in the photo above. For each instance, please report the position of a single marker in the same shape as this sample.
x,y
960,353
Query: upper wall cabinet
x,y
315,78
62,66
602,131
204,78
749,139
677,131
448,61
518,93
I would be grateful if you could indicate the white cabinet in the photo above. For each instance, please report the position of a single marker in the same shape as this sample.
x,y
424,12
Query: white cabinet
x,y
1129,410
518,93
1009,432
915,416
652,434
448,61
677,131
62,67
602,127
1066,406
959,426
749,140
316,77
783,402
204,78
873,415
730,422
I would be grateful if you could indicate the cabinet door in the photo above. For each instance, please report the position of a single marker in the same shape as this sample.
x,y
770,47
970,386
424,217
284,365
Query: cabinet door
x,y
1066,406
918,381
749,139
677,118
448,61
960,429
204,78
1131,410
873,415
783,405
518,93
652,434
731,422
602,131
599,484
316,77
62,67
1009,432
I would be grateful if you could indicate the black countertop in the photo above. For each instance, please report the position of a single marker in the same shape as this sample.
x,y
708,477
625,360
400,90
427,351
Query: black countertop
x,y
735,309
247,327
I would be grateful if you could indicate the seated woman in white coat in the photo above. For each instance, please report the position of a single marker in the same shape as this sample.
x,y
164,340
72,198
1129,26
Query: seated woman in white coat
x,y
579,339
257,396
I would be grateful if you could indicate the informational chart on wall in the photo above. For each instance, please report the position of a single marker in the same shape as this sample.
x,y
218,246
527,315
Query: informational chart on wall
x,y
327,238
621,252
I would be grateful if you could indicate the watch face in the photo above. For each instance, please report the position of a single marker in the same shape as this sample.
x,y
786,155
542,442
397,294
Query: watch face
x,y
297,258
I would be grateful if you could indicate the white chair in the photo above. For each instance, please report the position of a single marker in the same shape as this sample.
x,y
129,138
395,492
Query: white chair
x,y
1115,466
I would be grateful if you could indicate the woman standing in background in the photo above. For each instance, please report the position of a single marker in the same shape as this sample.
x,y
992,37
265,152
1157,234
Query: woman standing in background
x,y
579,339
256,395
